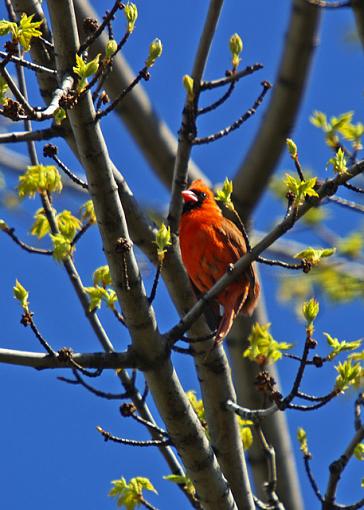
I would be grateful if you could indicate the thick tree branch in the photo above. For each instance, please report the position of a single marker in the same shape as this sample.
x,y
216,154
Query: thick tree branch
x,y
102,360
153,136
337,468
358,9
186,433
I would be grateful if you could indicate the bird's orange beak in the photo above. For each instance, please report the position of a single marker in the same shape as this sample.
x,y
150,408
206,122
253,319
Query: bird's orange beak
x,y
189,196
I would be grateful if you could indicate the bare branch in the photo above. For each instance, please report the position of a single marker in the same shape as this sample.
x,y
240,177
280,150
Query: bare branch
x,y
259,163
34,136
107,360
235,125
231,78
154,138
337,468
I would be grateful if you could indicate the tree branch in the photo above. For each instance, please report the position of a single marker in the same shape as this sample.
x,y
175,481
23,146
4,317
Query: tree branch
x,y
107,360
259,163
139,316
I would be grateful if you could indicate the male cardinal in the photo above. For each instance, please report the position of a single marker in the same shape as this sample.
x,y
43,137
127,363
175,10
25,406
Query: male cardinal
x,y
209,244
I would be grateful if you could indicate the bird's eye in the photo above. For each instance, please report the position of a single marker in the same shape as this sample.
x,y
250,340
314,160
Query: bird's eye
x,y
203,195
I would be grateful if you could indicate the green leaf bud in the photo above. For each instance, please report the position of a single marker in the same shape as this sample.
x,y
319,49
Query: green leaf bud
x,y
155,51
131,15
111,48
188,85
21,294
292,148
236,47
310,310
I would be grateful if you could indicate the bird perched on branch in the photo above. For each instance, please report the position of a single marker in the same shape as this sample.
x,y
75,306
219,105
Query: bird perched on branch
x,y
209,244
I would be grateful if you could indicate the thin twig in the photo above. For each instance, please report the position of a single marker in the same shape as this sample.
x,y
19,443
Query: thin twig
x,y
313,407
219,101
49,151
155,283
29,65
233,77
357,189
81,232
102,394
333,5
27,320
251,414
117,5
280,263
235,125
149,424
17,93
271,485
316,490
359,403
347,203
131,442
120,317
301,368
32,136
30,249
141,75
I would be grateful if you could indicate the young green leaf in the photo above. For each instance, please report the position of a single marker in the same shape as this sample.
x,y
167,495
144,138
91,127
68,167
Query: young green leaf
x,y
39,178
68,224
300,189
130,495
182,480
338,162
352,245
262,346
88,212
85,69
224,194
62,247
314,255
246,433
348,375
40,227
101,276
359,451
59,116
21,294
26,30
337,347
3,89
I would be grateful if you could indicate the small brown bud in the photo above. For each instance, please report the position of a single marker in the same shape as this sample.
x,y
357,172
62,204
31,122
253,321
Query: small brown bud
x,y
317,361
127,409
50,150
90,25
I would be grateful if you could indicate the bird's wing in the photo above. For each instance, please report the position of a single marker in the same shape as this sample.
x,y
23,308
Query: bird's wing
x,y
233,238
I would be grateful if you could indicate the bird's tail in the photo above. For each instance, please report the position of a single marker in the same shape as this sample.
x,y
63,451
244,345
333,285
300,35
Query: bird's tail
x,y
230,312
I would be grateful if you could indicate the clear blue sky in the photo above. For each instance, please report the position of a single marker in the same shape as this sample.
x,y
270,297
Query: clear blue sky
x,y
51,454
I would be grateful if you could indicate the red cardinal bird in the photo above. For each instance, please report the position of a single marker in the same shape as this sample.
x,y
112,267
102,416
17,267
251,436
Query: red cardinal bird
x,y
209,243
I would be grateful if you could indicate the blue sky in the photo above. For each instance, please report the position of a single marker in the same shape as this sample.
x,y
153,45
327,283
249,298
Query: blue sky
x,y
52,455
